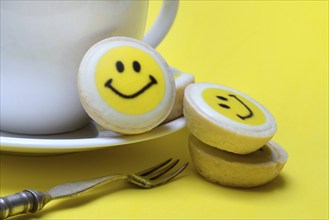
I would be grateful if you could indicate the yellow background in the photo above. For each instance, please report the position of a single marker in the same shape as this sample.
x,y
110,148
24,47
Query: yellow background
x,y
274,51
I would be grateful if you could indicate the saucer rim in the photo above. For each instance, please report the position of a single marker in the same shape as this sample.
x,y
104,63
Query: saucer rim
x,y
104,139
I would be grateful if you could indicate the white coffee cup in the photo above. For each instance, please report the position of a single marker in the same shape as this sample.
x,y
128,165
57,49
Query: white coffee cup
x,y
42,44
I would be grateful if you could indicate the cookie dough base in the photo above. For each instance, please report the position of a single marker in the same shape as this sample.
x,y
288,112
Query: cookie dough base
x,y
221,137
236,170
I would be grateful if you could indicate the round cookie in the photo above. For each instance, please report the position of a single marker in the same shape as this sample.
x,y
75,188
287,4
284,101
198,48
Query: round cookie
x,y
236,170
227,119
182,80
125,85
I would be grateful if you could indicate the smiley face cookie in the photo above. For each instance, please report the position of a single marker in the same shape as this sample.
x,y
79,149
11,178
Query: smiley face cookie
x,y
182,80
254,169
227,119
125,85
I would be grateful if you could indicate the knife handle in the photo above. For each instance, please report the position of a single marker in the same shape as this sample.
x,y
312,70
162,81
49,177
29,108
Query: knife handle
x,y
22,202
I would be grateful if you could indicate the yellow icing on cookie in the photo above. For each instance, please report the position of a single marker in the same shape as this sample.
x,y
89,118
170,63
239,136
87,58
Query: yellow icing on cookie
x,y
130,80
233,106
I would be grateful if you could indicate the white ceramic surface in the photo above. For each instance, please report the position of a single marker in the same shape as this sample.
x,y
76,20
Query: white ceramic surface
x,y
42,44
87,138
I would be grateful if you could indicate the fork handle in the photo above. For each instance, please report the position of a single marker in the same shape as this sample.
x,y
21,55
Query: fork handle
x,y
22,202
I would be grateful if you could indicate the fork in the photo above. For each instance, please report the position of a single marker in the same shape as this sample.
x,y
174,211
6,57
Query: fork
x,y
33,201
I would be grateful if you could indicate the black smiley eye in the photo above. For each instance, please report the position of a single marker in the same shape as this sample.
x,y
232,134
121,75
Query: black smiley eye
x,y
136,66
223,99
120,67
224,106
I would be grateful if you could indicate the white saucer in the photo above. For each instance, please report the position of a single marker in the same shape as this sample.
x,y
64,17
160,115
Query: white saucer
x,y
87,138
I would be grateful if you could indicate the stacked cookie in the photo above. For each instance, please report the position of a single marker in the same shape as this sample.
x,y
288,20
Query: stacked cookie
x,y
182,80
231,136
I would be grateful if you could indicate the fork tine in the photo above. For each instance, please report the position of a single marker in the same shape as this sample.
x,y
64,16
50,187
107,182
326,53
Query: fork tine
x,y
172,176
162,170
152,169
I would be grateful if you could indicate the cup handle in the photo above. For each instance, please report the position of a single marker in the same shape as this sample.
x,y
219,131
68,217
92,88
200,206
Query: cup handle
x,y
162,23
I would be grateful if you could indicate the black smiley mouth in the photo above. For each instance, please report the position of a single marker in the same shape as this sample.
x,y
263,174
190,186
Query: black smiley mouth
x,y
250,112
152,82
